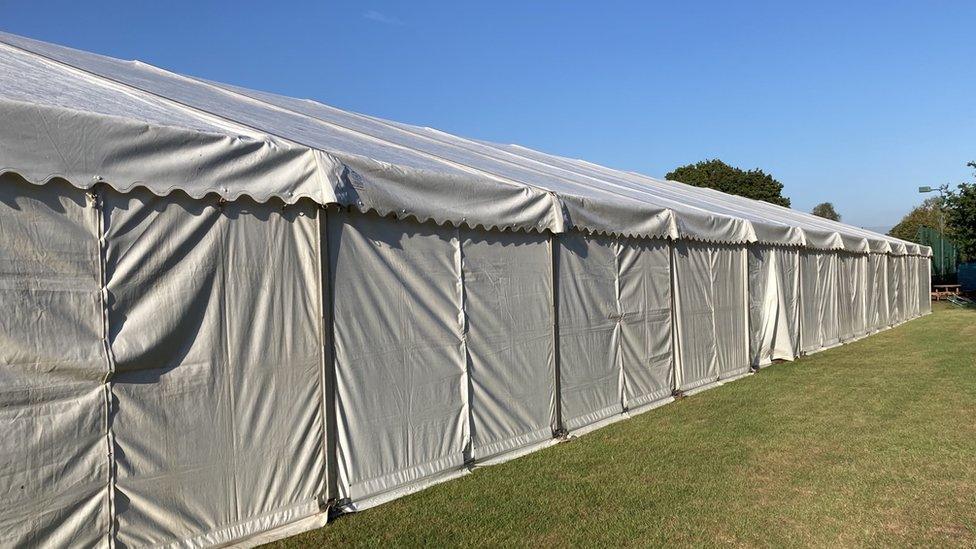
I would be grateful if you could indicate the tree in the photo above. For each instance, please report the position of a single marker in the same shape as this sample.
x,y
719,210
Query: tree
x,y
925,215
715,174
960,207
826,210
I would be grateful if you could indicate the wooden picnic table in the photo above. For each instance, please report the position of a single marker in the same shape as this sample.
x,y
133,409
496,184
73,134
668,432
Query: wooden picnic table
x,y
945,290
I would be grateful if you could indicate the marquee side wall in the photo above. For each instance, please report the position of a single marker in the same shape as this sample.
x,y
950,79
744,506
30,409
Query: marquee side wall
x,y
213,370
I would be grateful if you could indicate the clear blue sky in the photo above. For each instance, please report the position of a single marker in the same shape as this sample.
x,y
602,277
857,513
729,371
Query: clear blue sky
x,y
852,102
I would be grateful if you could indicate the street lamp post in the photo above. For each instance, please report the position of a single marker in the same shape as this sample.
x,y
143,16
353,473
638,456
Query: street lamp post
x,y
941,229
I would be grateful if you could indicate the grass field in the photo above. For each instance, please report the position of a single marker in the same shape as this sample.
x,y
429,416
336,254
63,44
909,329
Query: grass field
x,y
872,443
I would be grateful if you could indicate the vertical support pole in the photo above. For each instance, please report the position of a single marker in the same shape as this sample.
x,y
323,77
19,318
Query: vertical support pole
x,y
103,298
558,430
468,447
328,371
887,304
713,254
751,355
747,288
800,300
675,330
796,298
619,328
747,335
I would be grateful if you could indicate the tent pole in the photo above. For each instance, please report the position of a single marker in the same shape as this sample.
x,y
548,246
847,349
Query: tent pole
x,y
328,394
101,227
468,451
675,351
558,430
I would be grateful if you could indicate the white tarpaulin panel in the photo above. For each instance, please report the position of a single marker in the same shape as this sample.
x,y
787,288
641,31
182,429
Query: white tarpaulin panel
x,y
827,270
907,294
399,359
818,308
911,286
774,314
860,271
215,336
845,291
646,356
876,298
54,467
614,326
896,290
912,296
590,375
711,311
509,315
851,289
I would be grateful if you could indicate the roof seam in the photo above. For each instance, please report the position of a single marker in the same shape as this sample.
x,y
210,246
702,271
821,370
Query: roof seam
x,y
403,130
272,106
622,176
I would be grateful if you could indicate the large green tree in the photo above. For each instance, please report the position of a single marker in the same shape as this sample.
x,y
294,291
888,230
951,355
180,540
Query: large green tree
x,y
715,174
960,206
826,210
925,215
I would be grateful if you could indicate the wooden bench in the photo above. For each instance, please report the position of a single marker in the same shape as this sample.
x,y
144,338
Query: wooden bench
x,y
943,291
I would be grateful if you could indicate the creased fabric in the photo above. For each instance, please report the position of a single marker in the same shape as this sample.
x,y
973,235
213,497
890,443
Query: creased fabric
x,y
712,312
214,327
615,327
400,364
896,289
774,314
646,353
851,290
819,323
53,411
877,291
41,142
509,319
590,374
913,292
859,275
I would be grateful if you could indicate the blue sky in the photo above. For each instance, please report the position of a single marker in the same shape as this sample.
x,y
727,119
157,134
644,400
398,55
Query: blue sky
x,y
857,103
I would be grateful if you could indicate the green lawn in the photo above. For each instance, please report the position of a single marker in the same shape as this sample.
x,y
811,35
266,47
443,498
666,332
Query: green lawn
x,y
872,443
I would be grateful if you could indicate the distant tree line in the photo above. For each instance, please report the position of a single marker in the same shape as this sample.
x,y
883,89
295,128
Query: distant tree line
x,y
754,183
826,210
715,174
957,205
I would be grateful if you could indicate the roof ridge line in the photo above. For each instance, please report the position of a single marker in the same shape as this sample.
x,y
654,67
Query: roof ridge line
x,y
246,97
200,111
432,155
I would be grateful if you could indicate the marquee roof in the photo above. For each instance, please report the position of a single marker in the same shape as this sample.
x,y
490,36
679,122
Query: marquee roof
x,y
93,119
